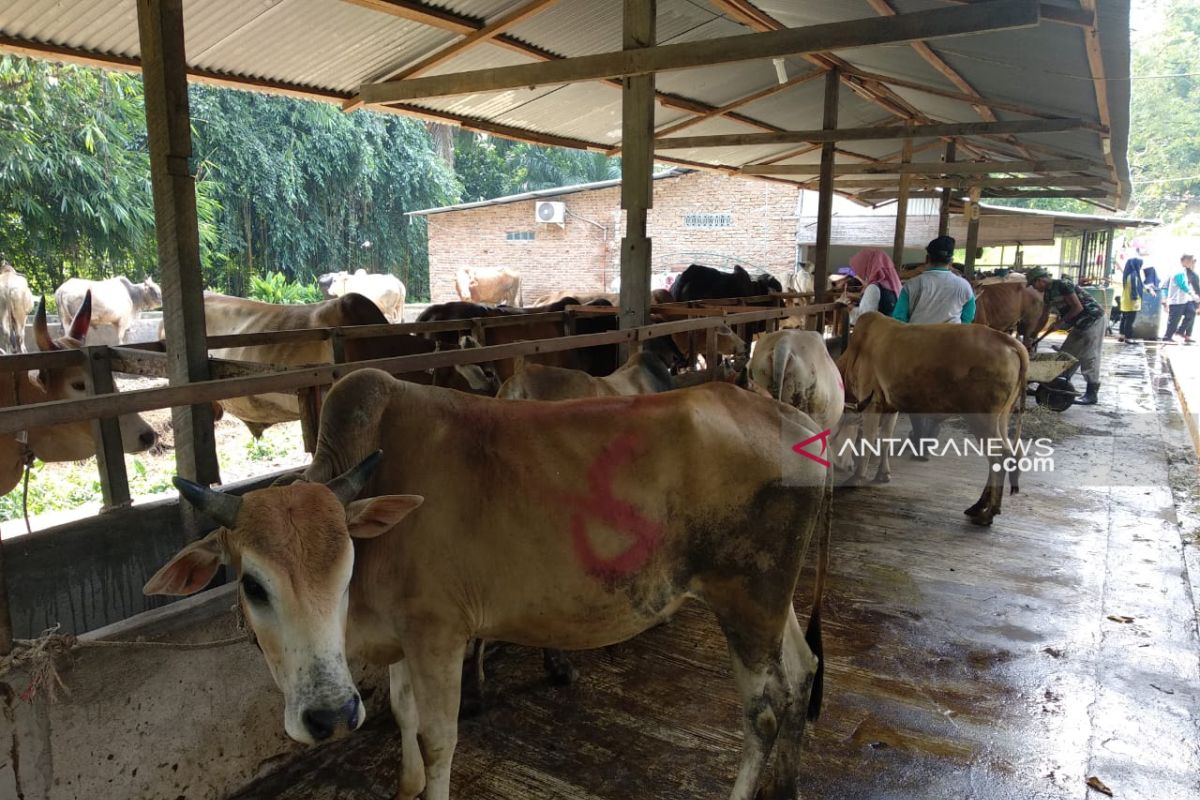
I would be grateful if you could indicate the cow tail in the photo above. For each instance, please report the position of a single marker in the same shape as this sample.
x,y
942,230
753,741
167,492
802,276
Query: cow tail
x,y
812,635
1014,477
779,363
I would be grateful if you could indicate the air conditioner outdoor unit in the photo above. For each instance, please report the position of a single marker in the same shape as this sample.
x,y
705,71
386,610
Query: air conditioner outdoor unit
x,y
550,212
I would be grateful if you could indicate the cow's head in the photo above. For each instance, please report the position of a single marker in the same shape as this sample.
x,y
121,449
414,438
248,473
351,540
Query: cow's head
x,y
290,548
73,441
479,378
462,284
151,294
767,283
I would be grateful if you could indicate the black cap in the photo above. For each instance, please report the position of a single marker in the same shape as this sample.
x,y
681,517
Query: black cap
x,y
941,249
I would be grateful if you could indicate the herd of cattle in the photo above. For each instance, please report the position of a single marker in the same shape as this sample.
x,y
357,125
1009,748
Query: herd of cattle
x,y
551,503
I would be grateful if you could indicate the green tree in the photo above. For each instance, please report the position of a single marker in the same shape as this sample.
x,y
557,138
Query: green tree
x,y
74,172
491,167
307,189
1164,138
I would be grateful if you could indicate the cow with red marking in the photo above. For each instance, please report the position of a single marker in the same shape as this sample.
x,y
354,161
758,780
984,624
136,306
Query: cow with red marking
x,y
581,536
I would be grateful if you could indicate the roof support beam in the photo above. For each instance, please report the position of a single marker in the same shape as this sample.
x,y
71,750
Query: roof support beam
x,y
870,133
637,169
902,208
931,181
1053,13
891,194
476,37
169,135
944,210
950,95
739,102
1091,40
825,191
885,8
959,168
997,15
462,24
752,17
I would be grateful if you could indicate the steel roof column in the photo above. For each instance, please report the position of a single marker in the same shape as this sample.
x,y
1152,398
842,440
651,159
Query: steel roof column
x,y
637,167
168,122
825,188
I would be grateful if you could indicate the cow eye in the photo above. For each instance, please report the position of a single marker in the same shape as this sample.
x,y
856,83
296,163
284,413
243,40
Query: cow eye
x,y
254,591
78,386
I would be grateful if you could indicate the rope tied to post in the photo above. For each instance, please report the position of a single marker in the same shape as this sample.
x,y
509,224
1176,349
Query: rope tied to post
x,y
42,657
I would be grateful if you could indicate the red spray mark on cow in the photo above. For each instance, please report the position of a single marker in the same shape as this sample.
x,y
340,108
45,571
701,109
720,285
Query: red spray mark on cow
x,y
600,505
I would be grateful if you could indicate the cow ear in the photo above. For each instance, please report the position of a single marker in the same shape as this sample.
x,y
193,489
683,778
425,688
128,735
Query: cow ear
x,y
368,518
191,569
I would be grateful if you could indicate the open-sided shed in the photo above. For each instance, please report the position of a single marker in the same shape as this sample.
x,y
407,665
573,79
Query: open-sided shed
x,y
875,98
872,99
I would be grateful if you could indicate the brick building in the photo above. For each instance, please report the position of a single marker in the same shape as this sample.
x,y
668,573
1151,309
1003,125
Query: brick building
x,y
698,216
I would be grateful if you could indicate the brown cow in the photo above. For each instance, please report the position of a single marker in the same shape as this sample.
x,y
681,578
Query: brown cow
x,y
70,441
1009,306
16,301
575,525
597,361
643,373
116,301
500,285
224,315
580,298
967,370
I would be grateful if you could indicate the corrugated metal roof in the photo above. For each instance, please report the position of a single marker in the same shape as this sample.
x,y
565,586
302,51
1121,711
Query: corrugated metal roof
x,y
540,194
331,47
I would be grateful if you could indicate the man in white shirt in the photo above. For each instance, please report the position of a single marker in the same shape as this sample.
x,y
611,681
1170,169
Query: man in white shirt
x,y
937,294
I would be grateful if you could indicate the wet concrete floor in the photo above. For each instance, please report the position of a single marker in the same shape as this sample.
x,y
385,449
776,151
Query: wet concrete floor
x,y
1012,662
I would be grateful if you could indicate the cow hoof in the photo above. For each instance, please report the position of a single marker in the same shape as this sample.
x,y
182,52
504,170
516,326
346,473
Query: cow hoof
x,y
882,479
854,482
982,520
916,457
975,510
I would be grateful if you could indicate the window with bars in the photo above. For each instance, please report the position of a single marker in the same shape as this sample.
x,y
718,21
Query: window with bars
x,y
708,220
518,236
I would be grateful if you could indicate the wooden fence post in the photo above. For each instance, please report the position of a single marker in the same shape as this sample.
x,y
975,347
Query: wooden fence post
x,y
110,455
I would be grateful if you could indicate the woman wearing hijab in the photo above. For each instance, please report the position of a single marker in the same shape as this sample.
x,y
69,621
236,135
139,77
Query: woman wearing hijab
x,y
1131,297
881,284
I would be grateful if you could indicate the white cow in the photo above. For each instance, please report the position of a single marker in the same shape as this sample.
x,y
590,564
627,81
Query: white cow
x,y
117,301
16,301
385,291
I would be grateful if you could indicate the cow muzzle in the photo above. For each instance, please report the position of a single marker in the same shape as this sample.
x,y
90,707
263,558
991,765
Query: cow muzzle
x,y
321,723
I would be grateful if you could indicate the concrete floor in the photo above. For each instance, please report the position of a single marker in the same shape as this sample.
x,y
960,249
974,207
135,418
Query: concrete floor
x,y
1010,662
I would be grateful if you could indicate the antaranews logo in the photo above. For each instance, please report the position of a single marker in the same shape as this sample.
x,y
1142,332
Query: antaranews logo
x,y
802,447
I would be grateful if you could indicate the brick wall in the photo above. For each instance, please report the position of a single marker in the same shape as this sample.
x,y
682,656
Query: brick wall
x,y
584,254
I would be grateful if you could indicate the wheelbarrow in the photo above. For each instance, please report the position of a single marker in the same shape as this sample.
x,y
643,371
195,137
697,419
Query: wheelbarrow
x,y
1047,384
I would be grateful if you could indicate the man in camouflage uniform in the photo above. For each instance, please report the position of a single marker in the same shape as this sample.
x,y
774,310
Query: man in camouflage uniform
x,y
1078,314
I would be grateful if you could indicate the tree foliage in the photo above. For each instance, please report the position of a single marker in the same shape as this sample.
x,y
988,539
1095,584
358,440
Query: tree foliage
x,y
490,167
1164,140
282,185
308,189
74,171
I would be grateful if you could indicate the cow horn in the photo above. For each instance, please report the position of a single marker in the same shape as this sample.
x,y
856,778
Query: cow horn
x,y
220,506
347,485
83,319
40,334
